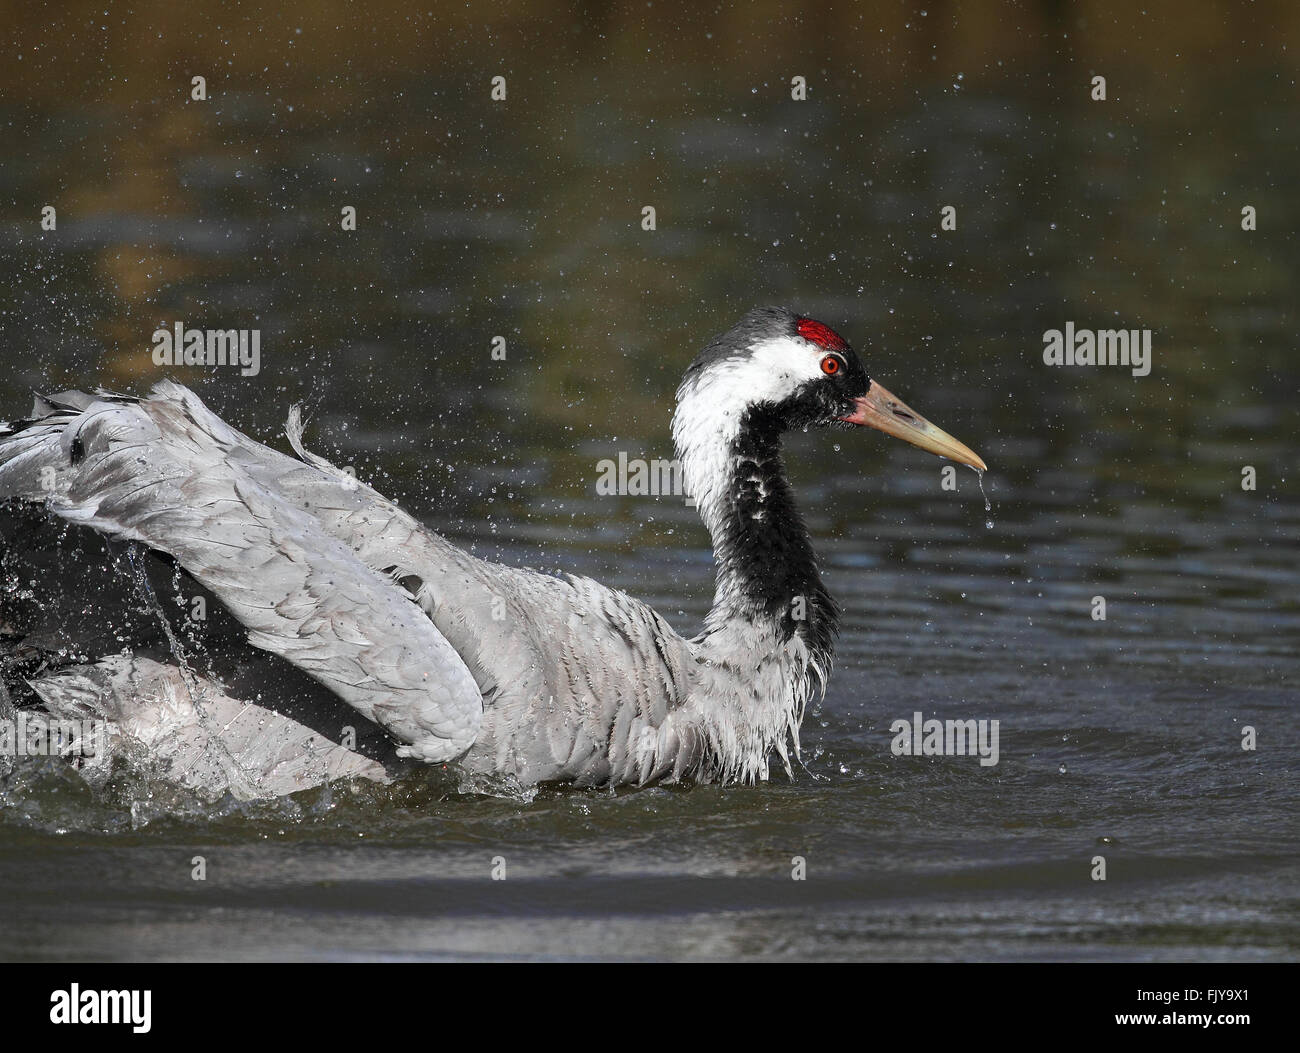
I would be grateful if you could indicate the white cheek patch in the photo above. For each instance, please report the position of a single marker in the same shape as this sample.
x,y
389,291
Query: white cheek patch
x,y
772,372
711,406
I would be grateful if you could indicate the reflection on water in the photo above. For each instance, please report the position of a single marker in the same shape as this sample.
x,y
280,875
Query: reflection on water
x,y
522,220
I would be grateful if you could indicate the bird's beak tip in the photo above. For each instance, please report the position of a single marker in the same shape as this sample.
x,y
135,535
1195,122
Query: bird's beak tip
x,y
881,410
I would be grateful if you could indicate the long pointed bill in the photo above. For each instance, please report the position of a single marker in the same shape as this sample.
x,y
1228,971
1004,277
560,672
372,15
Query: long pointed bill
x,y
883,411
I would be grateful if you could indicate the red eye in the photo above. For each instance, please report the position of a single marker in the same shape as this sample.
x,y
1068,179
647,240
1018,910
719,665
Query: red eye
x,y
830,365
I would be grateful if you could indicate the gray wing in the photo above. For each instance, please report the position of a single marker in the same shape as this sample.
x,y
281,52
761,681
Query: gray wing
x,y
167,472
575,680
187,731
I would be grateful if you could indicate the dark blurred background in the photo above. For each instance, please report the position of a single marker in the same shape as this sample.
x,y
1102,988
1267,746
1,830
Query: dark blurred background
x,y
522,218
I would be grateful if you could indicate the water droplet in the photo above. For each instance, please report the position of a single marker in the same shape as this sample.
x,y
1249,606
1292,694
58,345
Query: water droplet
x,y
1061,769
988,505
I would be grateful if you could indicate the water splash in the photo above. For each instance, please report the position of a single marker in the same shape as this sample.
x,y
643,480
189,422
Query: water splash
x,y
194,686
505,787
143,587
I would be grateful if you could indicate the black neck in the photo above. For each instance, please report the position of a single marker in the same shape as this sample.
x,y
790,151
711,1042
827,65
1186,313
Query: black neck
x,y
763,548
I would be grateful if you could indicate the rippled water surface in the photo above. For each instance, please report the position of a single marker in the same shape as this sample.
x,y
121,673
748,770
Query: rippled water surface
x,y
1119,738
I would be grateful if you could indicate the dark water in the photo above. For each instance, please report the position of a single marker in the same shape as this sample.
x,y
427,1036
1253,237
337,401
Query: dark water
x,y
1119,738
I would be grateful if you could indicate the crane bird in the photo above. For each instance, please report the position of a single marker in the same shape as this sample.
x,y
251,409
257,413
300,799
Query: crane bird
x,y
450,659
